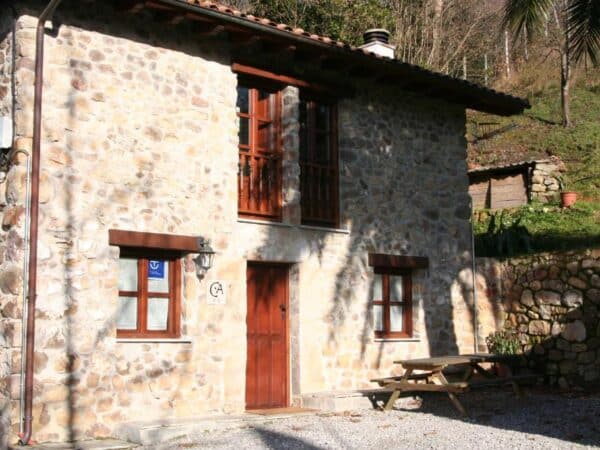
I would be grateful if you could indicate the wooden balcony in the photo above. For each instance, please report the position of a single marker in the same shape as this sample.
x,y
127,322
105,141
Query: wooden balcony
x,y
259,186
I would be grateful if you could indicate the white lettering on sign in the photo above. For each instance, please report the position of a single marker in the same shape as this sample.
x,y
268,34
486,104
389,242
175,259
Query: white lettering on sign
x,y
217,293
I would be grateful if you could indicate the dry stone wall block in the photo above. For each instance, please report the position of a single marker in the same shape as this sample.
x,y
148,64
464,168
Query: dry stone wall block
x,y
574,331
547,298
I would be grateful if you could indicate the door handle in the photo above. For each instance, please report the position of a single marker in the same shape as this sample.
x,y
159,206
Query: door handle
x,y
283,309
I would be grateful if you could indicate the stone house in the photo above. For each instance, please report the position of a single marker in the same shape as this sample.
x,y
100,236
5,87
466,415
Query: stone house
x,y
330,181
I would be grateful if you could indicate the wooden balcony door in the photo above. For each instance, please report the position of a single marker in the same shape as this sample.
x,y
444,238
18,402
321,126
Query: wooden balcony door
x,y
267,319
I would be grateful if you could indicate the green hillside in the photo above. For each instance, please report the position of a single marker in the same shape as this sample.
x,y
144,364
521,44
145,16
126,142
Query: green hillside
x,y
538,133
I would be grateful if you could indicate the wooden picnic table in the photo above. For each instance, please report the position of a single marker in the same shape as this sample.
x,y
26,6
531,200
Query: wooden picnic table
x,y
432,379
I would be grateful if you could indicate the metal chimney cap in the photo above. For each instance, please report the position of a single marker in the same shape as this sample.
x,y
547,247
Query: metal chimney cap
x,y
376,35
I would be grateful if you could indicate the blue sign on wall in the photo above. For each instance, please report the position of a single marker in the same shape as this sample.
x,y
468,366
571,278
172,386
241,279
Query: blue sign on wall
x,y
156,269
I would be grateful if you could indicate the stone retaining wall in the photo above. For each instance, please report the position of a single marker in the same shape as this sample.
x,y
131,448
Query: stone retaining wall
x,y
544,179
553,301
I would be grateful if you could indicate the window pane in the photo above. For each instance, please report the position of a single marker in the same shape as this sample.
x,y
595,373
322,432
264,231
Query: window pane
x,y
322,117
378,288
128,270
396,289
244,133
396,322
265,136
158,276
378,317
127,314
243,100
264,105
322,143
158,313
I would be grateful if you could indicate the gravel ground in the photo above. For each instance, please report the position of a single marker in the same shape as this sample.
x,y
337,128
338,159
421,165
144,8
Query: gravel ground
x,y
497,420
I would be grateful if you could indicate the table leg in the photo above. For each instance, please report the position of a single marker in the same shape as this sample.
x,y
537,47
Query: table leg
x,y
469,373
480,370
397,391
455,401
390,403
516,388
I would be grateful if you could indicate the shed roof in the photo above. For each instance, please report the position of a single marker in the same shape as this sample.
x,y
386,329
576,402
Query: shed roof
x,y
515,166
339,56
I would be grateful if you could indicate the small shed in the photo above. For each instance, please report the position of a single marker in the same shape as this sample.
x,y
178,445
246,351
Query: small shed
x,y
513,185
498,187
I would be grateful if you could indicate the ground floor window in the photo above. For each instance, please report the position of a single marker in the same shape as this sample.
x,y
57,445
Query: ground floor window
x,y
149,295
392,293
392,303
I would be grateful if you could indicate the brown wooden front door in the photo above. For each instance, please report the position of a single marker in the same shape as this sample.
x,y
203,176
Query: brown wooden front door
x,y
267,359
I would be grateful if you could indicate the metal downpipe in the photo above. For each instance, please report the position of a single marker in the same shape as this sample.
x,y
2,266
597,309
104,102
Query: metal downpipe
x,y
33,224
474,273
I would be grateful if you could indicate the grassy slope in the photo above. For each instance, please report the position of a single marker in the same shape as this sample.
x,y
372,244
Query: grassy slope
x,y
537,227
538,133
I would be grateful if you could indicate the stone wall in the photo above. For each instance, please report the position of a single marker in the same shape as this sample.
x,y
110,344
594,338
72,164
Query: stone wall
x,y
544,179
553,301
140,133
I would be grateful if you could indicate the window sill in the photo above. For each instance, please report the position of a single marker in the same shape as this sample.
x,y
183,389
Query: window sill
x,y
264,222
154,341
411,339
325,229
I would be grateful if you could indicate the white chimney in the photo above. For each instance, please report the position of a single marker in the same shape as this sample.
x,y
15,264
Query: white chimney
x,y
377,41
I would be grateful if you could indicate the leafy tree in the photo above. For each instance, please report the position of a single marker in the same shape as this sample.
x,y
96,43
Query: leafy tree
x,y
345,20
578,22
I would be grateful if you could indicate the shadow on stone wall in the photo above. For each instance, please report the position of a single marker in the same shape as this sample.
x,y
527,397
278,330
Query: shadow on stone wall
x,y
79,395
80,368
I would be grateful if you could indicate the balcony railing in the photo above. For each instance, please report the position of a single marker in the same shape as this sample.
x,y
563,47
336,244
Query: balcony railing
x,y
259,186
318,191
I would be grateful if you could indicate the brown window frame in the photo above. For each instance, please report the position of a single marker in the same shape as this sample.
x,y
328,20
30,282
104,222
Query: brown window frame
x,y
312,211
252,205
386,303
173,330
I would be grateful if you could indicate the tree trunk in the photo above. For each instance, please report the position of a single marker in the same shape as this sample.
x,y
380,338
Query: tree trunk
x,y
565,75
506,54
564,88
485,69
438,8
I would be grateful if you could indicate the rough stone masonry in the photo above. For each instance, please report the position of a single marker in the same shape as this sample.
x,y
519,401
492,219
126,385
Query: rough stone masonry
x,y
140,133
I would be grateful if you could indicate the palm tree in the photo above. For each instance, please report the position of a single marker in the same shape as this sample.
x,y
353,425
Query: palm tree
x,y
579,24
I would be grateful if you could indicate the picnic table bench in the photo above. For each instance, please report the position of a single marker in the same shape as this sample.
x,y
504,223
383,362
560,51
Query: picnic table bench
x,y
432,378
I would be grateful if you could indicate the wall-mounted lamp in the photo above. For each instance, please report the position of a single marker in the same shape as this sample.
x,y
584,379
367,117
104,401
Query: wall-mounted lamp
x,y
206,256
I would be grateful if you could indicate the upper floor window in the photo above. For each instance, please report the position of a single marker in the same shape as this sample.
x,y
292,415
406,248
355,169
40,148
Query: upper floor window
x,y
260,150
318,162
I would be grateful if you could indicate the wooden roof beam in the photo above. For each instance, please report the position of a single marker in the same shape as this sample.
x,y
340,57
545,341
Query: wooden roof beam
x,y
278,49
245,41
208,30
159,6
130,6
329,63
175,19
